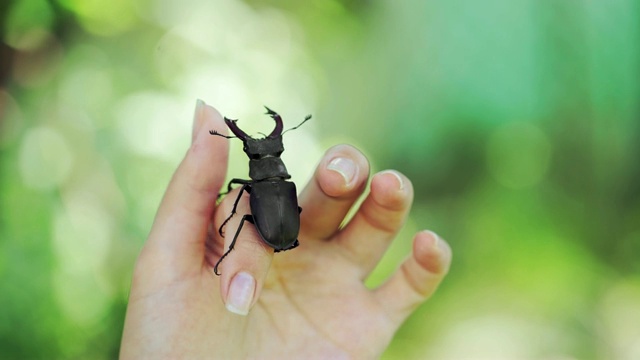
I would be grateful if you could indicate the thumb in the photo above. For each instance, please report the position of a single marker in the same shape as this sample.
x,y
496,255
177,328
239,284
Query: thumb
x,y
176,241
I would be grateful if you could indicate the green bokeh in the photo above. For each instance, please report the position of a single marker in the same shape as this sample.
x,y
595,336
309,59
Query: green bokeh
x,y
518,123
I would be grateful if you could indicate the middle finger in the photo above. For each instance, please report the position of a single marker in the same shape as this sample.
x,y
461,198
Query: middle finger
x,y
339,180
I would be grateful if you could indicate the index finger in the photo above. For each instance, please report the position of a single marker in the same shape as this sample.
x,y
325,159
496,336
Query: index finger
x,y
179,230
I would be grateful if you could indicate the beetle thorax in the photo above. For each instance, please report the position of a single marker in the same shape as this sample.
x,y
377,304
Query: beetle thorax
x,y
264,155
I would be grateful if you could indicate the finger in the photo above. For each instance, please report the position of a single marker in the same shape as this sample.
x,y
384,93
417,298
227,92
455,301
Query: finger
x,y
376,223
339,180
178,233
244,269
417,278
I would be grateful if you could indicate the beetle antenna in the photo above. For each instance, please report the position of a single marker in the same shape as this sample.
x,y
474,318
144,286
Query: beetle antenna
x,y
213,132
295,127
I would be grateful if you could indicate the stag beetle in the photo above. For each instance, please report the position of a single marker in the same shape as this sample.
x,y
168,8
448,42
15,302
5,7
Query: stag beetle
x,y
273,200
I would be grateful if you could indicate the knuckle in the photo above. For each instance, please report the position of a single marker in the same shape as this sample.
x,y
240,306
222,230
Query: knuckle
x,y
382,221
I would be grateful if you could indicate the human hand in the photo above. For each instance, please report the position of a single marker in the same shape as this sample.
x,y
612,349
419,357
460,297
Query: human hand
x,y
310,302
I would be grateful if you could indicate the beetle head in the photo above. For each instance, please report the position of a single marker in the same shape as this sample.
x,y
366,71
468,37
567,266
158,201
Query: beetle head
x,y
269,146
261,148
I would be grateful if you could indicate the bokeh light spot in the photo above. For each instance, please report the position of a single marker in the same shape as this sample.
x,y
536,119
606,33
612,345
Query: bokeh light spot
x,y
80,297
45,159
82,231
86,87
495,336
27,24
149,122
620,312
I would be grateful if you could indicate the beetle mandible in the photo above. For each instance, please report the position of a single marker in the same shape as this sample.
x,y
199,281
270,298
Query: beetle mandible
x,y
273,201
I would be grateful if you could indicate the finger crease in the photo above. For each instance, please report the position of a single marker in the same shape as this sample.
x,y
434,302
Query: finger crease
x,y
388,228
413,285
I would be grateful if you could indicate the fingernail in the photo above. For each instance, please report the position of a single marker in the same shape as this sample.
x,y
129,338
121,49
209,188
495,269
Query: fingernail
x,y
395,173
195,127
240,295
436,239
345,167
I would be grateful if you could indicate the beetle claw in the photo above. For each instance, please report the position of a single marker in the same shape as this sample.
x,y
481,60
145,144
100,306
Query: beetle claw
x,y
277,131
270,112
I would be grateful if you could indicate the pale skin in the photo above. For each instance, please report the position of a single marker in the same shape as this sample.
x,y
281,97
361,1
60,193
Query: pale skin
x,y
310,302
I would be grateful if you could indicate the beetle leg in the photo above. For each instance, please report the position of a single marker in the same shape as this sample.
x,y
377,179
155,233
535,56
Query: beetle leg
x,y
245,187
246,217
234,181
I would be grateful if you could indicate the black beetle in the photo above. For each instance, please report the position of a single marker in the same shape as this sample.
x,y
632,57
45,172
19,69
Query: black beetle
x,y
273,200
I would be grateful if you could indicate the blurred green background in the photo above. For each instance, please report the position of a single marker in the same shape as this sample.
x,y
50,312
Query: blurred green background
x,y
518,122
